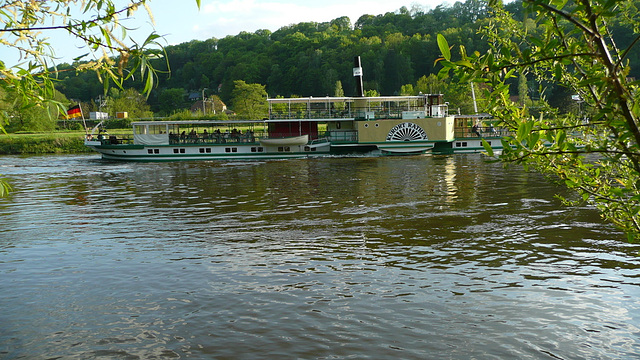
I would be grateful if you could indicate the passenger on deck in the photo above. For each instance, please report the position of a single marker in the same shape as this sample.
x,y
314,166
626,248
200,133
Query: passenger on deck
x,y
235,135
193,136
476,129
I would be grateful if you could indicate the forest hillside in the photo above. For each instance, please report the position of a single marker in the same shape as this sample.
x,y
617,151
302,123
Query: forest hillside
x,y
308,59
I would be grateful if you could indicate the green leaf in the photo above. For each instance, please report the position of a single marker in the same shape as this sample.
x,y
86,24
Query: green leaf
x,y
487,147
444,47
5,188
464,63
533,138
561,137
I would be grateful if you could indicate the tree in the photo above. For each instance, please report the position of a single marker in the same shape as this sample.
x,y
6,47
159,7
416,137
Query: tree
x,y
339,92
98,25
171,100
128,100
249,101
599,156
406,90
430,85
25,26
30,118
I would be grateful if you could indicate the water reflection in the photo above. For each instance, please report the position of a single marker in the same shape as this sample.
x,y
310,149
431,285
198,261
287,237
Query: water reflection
x,y
412,257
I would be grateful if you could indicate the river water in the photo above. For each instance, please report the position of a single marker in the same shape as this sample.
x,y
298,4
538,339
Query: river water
x,y
427,257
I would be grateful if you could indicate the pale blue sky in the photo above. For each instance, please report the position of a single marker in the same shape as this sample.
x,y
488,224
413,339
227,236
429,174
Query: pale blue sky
x,y
181,21
218,18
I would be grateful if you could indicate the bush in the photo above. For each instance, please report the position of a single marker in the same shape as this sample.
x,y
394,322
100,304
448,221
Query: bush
x,y
42,144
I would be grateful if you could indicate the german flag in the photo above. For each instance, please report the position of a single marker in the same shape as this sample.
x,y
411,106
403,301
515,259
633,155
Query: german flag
x,y
74,112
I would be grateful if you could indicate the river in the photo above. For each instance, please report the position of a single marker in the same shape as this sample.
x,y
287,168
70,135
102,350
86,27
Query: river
x,y
425,257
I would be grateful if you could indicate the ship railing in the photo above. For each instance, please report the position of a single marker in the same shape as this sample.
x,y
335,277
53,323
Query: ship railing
x,y
313,114
481,132
215,138
379,112
342,136
107,139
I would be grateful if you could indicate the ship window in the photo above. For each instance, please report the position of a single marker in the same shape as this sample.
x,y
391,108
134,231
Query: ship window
x,y
201,150
235,150
227,150
157,129
156,151
489,142
150,151
464,144
175,151
458,144
181,151
284,149
260,149
208,150
254,149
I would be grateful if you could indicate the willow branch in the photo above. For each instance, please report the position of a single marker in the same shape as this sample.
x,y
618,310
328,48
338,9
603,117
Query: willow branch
x,y
69,26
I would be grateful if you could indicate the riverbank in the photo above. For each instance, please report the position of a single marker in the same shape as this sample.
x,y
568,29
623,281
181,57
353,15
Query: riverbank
x,y
36,144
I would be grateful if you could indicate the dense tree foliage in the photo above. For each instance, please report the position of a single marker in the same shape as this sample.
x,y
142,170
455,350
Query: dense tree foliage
x,y
97,23
249,101
112,56
307,59
130,100
581,46
28,117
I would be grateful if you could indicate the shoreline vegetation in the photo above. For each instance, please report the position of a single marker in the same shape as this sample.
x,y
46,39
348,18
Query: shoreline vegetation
x,y
43,143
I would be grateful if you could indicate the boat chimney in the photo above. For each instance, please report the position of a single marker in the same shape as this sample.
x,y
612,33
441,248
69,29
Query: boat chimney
x,y
357,73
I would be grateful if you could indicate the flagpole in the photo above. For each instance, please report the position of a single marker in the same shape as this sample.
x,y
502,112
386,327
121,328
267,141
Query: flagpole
x,y
86,131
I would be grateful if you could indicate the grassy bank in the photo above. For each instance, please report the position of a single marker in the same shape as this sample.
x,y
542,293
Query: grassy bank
x,y
51,143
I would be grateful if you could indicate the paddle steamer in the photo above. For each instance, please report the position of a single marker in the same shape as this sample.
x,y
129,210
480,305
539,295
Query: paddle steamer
x,y
310,126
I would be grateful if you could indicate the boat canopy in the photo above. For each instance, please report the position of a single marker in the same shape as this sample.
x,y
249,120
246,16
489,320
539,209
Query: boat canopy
x,y
345,99
350,108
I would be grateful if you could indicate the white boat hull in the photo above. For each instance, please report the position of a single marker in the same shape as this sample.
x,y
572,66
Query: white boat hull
x,y
204,152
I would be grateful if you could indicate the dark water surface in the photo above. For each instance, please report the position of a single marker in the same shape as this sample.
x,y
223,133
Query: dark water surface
x,y
381,258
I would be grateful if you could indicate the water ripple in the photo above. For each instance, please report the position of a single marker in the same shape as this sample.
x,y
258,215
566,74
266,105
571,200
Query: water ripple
x,y
416,257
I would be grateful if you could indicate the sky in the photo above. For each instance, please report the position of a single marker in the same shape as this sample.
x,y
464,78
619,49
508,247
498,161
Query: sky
x,y
182,21
230,17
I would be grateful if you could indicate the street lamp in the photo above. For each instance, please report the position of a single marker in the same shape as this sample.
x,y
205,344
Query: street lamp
x,y
204,110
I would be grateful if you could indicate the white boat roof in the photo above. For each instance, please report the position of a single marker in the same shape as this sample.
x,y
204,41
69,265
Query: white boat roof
x,y
203,123
333,99
196,122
